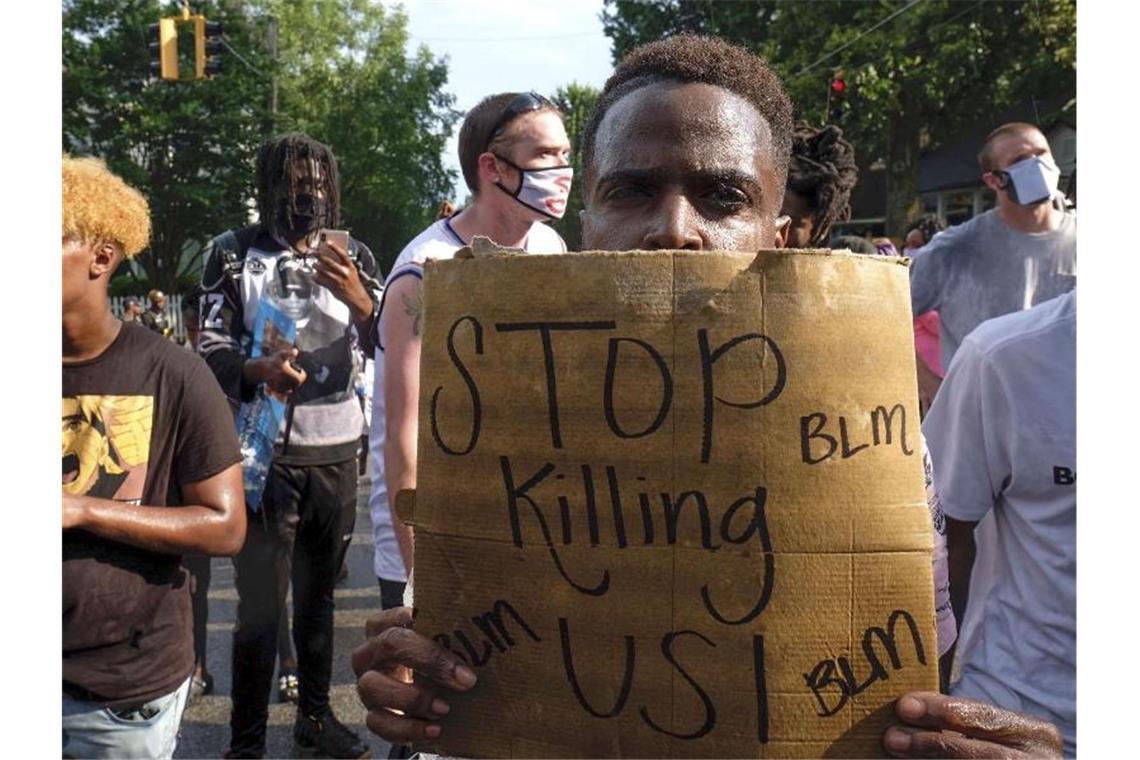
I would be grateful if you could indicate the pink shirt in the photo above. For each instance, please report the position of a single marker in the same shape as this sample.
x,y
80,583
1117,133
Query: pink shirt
x,y
926,341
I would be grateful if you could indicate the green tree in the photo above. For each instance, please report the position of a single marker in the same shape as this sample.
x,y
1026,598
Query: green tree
x,y
187,145
576,101
341,74
918,70
344,78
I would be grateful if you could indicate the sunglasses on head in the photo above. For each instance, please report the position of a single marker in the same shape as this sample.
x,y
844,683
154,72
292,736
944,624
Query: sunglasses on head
x,y
523,103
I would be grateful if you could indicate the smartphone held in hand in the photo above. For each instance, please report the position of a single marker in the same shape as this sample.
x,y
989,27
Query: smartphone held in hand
x,y
340,237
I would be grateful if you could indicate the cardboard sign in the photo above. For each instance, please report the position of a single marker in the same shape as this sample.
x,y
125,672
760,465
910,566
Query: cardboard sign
x,y
672,504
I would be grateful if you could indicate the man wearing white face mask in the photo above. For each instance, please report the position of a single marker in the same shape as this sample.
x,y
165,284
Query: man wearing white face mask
x,y
515,158
1009,258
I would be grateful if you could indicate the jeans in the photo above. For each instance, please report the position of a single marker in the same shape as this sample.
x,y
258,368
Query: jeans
x,y
149,730
310,512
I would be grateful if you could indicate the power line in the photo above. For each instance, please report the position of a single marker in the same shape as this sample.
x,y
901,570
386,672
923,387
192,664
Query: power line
x,y
911,45
855,39
239,56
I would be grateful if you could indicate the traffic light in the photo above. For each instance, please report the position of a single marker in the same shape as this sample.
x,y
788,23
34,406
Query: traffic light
x,y
164,48
836,98
208,46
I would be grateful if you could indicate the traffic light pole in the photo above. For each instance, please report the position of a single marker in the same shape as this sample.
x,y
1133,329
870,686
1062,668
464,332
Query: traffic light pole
x,y
271,44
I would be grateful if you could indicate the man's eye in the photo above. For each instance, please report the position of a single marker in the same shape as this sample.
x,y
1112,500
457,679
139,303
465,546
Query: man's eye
x,y
626,192
727,196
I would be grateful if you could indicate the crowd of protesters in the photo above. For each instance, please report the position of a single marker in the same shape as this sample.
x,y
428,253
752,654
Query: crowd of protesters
x,y
151,462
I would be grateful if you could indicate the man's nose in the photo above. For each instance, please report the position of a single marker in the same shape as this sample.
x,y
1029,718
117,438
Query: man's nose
x,y
675,226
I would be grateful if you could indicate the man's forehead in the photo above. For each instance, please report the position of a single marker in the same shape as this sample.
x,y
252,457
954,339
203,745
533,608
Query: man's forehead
x,y
1015,144
706,122
542,127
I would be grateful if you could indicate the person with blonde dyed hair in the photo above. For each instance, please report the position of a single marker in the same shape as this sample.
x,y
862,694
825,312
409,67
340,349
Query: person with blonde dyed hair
x,y
151,471
99,207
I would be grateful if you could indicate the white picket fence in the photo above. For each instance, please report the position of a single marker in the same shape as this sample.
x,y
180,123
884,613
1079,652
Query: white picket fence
x,y
173,310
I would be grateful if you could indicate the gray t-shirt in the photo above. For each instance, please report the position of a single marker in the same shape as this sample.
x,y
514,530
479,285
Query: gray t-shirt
x,y
1002,434
983,269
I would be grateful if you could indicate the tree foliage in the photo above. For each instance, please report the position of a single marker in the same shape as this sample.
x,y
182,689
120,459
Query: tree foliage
x,y
342,75
188,146
345,80
914,81
576,101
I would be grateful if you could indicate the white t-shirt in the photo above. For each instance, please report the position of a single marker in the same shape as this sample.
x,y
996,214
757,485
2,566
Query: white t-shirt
x,y
1002,433
439,241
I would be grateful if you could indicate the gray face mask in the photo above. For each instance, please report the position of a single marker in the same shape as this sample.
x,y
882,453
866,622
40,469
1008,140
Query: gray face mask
x,y
1031,180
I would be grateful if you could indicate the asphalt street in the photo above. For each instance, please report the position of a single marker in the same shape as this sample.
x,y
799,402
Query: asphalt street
x,y
205,725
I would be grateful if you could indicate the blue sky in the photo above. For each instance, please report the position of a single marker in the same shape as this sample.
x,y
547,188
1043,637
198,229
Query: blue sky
x,y
510,45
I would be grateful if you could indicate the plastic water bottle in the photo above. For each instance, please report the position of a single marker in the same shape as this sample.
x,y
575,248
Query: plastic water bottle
x,y
259,420
258,423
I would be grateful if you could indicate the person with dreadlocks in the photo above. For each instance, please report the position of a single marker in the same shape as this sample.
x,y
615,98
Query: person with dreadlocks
x,y
308,510
921,233
821,175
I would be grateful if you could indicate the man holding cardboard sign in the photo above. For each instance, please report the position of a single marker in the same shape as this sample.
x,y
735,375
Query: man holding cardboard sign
x,y
687,152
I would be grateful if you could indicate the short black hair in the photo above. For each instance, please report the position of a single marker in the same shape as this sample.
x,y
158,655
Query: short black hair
x,y
275,181
478,128
823,172
855,244
929,225
688,58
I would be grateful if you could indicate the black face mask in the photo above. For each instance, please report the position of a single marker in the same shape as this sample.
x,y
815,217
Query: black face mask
x,y
308,216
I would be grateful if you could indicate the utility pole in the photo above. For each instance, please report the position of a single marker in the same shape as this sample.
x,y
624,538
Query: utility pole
x,y
271,44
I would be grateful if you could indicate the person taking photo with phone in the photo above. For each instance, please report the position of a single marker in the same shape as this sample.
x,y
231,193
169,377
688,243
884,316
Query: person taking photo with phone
x,y
325,281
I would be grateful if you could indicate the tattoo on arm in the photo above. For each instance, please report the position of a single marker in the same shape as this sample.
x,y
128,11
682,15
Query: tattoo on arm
x,y
414,308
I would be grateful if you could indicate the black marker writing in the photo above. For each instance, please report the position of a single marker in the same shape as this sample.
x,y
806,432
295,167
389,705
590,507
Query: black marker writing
x,y
476,403
710,709
813,432
496,634
757,526
544,329
572,677
823,675
709,358
608,394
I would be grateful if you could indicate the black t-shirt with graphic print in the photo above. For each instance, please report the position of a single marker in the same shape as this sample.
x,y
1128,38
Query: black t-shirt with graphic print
x,y
139,421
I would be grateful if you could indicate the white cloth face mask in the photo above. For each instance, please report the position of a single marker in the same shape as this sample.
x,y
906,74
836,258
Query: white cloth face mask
x,y
543,190
1032,180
